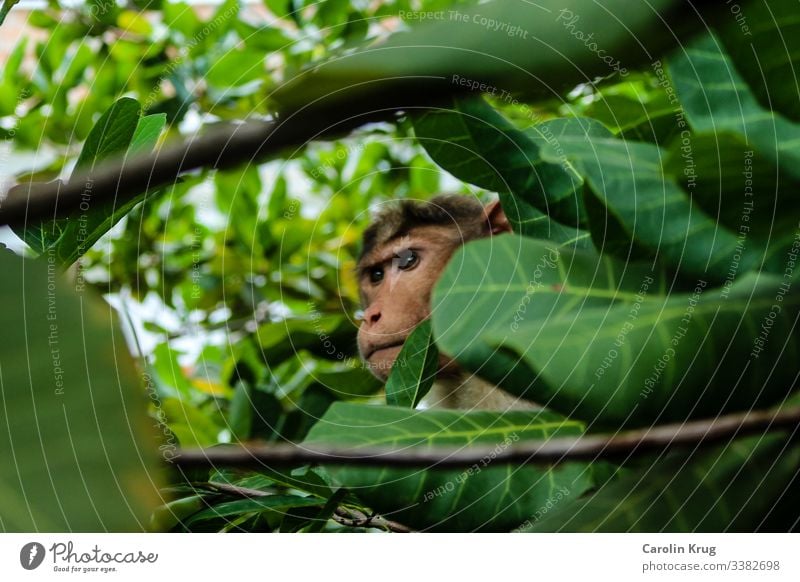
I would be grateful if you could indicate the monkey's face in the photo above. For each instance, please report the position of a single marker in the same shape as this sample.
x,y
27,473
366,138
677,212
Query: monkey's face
x,y
396,281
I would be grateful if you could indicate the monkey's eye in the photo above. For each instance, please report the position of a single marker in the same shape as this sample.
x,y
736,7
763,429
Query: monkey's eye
x,y
376,274
406,259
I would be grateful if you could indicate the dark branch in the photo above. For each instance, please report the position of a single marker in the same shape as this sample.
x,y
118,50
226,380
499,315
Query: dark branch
x,y
659,438
224,147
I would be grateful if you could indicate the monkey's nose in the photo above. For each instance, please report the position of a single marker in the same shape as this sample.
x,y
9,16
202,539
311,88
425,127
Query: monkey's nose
x,y
372,315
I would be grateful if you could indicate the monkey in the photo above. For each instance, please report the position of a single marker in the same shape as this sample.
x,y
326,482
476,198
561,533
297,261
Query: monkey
x,y
404,251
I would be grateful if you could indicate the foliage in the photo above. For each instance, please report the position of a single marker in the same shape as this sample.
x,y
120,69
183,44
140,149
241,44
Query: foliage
x,y
650,280
483,496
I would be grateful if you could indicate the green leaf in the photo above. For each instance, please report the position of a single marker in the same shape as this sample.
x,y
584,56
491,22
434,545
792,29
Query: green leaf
x,y
486,496
120,128
414,370
5,8
272,503
537,47
148,130
606,341
637,210
79,447
737,487
476,144
716,99
236,68
171,514
111,134
348,379
279,8
14,61
192,426
181,17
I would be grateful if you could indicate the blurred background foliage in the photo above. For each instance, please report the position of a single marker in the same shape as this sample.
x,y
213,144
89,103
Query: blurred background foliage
x,y
237,288
212,273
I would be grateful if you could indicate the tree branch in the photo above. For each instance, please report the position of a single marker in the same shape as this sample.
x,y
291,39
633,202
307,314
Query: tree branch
x,y
223,147
641,441
353,518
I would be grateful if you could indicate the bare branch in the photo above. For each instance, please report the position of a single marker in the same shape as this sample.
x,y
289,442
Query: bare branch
x,y
659,438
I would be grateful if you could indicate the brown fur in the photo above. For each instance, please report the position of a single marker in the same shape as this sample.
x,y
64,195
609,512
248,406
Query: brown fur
x,y
469,392
465,215
396,303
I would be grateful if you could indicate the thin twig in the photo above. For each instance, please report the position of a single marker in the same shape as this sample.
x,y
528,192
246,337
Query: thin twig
x,y
229,489
658,438
353,518
348,516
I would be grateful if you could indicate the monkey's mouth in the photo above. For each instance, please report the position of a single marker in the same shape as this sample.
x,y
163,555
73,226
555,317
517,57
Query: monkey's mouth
x,y
374,349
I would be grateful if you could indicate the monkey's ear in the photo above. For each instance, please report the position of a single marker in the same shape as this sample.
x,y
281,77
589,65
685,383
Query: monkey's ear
x,y
496,218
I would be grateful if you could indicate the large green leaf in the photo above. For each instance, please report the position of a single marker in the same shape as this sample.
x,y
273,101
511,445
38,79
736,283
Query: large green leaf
x,y
77,443
635,209
111,134
606,341
717,99
742,486
414,370
118,130
486,496
476,144
741,163
537,47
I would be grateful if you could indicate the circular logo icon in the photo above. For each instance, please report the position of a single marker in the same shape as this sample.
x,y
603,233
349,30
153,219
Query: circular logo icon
x,y
31,555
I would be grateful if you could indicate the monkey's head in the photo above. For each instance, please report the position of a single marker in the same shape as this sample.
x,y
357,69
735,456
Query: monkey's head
x,y
404,252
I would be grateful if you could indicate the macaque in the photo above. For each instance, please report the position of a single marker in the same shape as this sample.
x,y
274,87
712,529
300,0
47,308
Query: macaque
x,y
404,252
